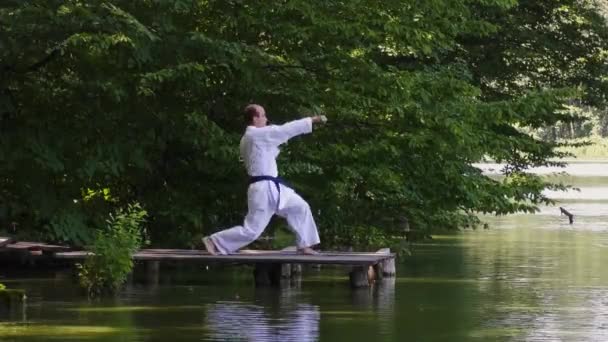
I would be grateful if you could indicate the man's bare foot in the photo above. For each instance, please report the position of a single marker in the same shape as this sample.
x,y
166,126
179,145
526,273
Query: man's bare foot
x,y
209,245
307,251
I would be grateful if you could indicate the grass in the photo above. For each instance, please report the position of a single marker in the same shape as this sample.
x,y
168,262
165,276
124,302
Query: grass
x,y
597,150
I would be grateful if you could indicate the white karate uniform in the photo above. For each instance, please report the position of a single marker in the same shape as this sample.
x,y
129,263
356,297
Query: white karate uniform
x,y
259,150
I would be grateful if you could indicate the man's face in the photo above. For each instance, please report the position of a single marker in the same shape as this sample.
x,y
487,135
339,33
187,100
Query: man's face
x,y
260,120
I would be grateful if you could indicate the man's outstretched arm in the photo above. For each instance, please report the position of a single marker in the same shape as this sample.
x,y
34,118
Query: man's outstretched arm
x,y
279,134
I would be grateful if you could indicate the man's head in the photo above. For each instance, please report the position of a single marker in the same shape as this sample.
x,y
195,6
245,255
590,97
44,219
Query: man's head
x,y
255,115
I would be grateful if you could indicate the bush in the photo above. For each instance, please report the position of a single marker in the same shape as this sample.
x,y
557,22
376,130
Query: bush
x,y
107,268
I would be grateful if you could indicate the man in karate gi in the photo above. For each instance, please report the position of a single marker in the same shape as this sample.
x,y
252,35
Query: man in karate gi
x,y
267,195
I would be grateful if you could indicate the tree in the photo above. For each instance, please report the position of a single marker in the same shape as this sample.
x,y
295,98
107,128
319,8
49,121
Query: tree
x,y
544,44
110,102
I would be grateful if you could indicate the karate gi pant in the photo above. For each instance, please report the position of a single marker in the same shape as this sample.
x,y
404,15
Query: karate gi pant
x,y
263,202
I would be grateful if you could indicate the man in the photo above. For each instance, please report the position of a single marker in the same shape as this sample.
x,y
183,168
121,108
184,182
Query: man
x,y
267,195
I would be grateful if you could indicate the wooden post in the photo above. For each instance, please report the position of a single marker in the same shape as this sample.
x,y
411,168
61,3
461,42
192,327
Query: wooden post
x,y
379,270
286,271
361,276
567,213
290,270
296,269
267,274
388,266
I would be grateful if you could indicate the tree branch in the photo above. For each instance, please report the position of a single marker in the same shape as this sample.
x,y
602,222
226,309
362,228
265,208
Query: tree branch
x,y
43,61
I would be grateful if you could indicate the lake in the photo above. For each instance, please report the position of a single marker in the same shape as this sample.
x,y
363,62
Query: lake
x,y
527,278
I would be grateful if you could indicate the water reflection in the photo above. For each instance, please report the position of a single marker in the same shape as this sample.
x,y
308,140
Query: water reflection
x,y
528,278
291,314
286,321
380,297
539,281
558,315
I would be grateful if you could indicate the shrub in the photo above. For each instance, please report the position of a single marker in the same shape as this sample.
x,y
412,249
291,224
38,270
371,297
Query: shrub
x,y
110,261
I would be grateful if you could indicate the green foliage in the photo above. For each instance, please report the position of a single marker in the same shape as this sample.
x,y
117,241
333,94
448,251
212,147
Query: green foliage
x,y
364,237
2,286
143,98
547,44
106,269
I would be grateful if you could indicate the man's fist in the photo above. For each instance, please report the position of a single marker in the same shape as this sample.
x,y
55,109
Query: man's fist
x,y
319,119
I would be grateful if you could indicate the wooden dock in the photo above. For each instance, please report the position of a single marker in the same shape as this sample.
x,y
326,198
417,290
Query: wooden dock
x,y
5,241
248,256
270,266
32,246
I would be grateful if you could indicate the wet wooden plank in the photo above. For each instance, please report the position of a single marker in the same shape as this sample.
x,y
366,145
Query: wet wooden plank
x,y
5,241
76,255
250,256
27,245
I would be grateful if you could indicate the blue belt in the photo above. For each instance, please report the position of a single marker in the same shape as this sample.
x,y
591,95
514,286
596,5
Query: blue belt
x,y
276,180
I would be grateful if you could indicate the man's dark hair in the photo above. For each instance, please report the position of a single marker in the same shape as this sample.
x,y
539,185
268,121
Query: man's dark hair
x,y
250,112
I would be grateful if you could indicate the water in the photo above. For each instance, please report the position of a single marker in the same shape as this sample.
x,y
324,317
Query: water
x,y
527,278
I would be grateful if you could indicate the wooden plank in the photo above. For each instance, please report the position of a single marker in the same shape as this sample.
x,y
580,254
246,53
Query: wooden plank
x,y
77,255
338,258
302,259
5,241
255,252
26,245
